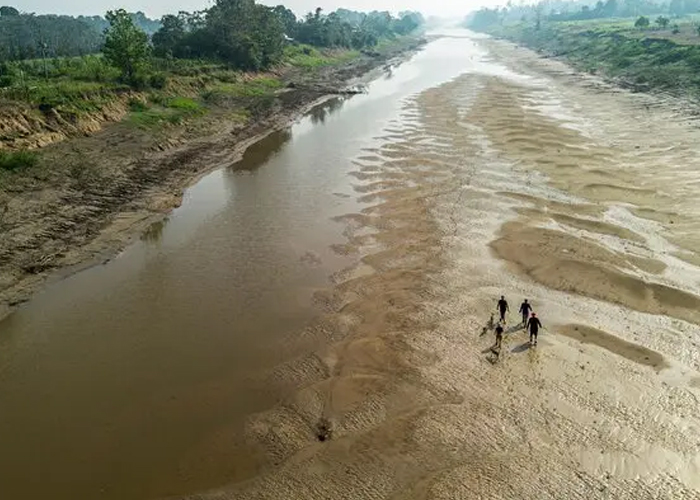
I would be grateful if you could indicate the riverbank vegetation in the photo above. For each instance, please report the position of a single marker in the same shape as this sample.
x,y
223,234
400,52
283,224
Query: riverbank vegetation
x,y
641,45
15,160
71,69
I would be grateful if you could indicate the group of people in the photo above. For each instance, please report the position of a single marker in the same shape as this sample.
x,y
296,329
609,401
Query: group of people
x,y
531,322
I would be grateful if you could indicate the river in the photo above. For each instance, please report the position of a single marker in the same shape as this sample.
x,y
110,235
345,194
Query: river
x,y
334,284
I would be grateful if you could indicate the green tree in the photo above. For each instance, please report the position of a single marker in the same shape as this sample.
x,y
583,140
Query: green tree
x,y
662,21
141,21
407,22
288,19
244,34
538,16
312,29
483,18
168,39
27,36
126,46
6,10
641,22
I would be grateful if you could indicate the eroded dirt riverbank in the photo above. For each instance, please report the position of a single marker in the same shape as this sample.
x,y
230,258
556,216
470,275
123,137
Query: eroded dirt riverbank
x,y
90,196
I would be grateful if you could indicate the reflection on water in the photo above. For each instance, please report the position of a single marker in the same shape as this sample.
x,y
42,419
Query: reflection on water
x,y
319,113
257,154
155,231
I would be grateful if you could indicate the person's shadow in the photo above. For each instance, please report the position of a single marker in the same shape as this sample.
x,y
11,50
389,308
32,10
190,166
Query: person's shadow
x,y
521,348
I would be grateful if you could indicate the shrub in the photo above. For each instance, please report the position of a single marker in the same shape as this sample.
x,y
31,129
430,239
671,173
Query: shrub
x,y
137,105
173,111
138,81
662,21
642,22
6,81
92,69
8,75
15,160
158,80
184,104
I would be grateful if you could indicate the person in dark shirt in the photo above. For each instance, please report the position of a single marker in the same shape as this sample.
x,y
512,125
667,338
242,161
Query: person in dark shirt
x,y
525,309
499,337
533,326
502,308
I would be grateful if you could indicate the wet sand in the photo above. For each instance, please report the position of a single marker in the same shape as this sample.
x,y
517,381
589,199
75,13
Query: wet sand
x,y
484,187
633,352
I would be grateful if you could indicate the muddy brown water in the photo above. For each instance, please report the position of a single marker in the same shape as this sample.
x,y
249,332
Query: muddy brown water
x,y
336,283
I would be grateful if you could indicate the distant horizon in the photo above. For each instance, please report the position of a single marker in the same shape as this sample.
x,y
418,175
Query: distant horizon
x,y
155,10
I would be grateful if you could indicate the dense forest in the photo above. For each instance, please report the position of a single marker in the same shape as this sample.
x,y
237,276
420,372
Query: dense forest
x,y
577,10
28,36
251,36
242,33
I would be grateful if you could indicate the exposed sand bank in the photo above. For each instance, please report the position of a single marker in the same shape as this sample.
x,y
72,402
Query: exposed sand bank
x,y
419,407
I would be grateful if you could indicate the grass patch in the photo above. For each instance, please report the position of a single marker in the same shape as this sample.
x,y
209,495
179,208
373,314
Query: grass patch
x,y
16,160
305,56
260,86
649,59
137,105
65,95
184,104
171,111
76,85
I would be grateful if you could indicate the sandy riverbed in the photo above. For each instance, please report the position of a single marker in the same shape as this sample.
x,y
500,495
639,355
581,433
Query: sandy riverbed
x,y
525,179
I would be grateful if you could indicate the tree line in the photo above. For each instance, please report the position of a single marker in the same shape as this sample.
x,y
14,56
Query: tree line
x,y
577,10
248,35
240,33
29,36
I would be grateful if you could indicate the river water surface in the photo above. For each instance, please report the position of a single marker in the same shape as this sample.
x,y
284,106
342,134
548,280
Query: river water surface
x,y
335,283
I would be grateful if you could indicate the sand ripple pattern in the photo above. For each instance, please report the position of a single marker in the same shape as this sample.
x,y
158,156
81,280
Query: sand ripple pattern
x,y
401,399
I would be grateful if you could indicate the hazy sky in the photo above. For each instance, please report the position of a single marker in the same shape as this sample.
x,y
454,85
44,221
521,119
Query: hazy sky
x,y
156,8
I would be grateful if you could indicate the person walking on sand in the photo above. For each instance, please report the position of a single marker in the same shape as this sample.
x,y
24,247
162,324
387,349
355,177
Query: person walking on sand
x,y
499,337
502,308
525,310
533,326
